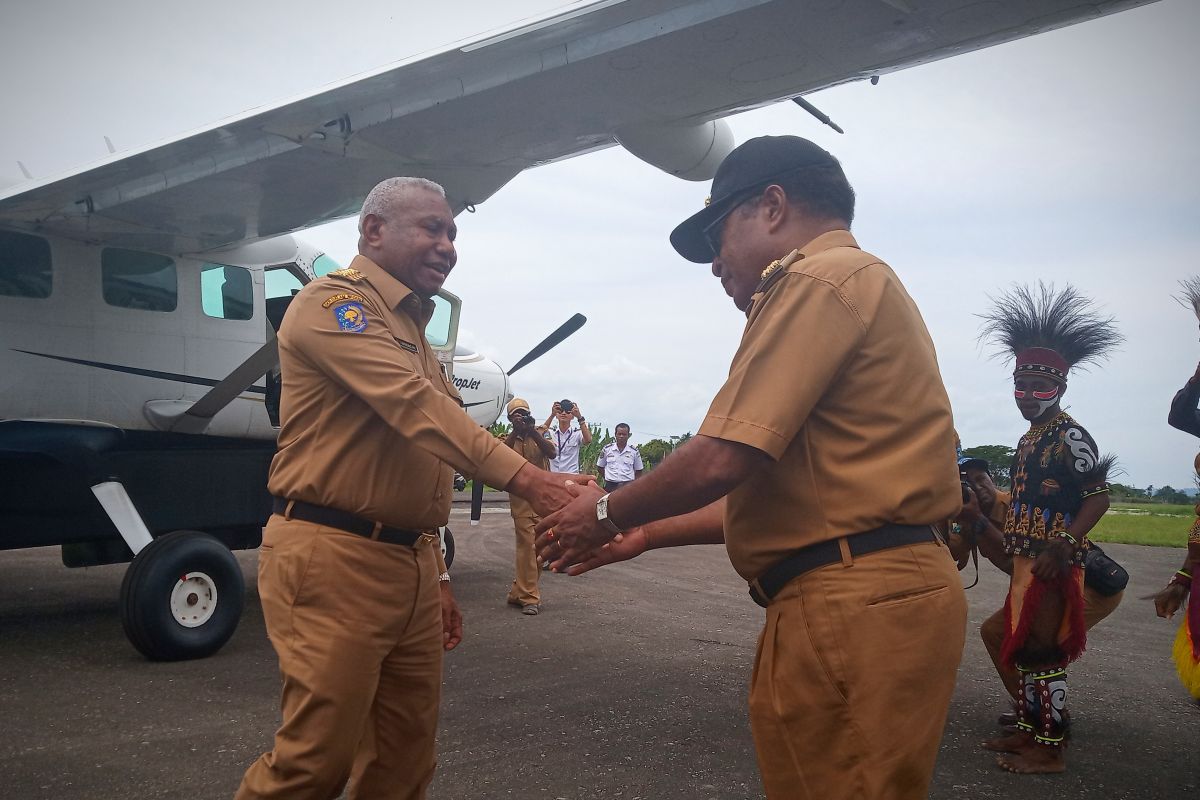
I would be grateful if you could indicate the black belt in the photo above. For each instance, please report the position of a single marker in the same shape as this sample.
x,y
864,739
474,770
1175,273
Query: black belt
x,y
771,582
345,521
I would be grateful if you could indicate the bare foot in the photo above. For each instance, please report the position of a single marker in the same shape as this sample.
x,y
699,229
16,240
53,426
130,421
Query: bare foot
x,y
1013,743
1037,760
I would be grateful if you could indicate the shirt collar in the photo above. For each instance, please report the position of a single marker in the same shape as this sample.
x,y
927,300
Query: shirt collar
x,y
393,291
828,241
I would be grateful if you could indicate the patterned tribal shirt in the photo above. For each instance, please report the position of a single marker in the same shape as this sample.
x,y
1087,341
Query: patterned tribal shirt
x,y
1054,464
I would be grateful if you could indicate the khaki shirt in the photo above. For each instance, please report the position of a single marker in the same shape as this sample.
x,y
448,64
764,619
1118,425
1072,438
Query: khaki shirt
x,y
530,451
369,422
836,379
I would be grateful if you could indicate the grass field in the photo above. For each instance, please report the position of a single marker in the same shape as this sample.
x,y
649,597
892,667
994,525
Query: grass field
x,y
1161,525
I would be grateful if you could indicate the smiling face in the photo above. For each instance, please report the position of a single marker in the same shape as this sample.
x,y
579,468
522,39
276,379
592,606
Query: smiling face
x,y
413,240
1038,397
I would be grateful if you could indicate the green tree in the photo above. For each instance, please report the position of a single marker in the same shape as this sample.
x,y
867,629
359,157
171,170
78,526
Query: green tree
x,y
1169,495
999,458
1121,493
654,451
591,451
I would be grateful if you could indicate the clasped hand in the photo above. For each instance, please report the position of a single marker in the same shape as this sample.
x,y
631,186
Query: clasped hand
x,y
572,533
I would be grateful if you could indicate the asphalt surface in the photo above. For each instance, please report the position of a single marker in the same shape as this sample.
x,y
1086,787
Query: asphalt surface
x,y
631,684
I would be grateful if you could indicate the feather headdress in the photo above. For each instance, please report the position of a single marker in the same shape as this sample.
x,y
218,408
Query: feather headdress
x,y
1049,331
1190,296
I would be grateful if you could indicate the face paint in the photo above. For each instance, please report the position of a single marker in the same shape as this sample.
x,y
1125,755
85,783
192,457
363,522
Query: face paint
x,y
1045,400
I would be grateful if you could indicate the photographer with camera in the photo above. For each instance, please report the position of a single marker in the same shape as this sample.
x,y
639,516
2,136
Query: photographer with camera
x,y
529,439
567,438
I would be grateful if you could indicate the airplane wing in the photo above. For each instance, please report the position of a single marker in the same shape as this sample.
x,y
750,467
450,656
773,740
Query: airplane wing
x,y
652,74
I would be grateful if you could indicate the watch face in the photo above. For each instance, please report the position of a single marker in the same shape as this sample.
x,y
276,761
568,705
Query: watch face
x,y
602,508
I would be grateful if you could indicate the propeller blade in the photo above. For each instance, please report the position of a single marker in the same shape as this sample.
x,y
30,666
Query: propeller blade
x,y
551,341
476,500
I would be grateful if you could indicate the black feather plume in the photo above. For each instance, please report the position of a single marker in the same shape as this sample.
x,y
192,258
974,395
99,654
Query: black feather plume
x,y
1106,468
1064,321
1190,296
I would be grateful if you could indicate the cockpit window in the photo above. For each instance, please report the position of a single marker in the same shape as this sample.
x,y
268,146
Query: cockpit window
x,y
323,264
24,265
438,329
132,279
227,292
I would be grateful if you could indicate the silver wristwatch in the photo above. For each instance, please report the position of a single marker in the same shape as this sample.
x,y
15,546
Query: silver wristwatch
x,y
602,514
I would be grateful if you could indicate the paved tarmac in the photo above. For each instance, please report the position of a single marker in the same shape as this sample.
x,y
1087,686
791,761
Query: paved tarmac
x,y
631,684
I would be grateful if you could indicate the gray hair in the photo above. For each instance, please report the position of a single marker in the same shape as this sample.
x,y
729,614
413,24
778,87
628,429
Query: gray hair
x,y
387,192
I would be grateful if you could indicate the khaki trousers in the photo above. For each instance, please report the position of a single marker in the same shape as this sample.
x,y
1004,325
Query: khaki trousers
x,y
854,673
524,589
357,628
1095,608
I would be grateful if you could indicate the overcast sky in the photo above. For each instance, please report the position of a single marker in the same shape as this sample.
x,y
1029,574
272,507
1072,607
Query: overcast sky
x,y
1069,156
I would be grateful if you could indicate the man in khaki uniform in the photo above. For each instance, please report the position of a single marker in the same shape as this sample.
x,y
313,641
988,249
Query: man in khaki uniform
x,y
348,570
821,466
530,440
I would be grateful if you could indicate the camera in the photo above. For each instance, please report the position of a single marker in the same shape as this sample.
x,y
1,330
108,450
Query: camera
x,y
566,405
522,417
967,491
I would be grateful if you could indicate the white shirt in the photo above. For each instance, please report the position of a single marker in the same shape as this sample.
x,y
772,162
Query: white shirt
x,y
619,465
568,443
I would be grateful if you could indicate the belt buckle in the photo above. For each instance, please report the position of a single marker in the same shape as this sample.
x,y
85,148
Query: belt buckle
x,y
426,539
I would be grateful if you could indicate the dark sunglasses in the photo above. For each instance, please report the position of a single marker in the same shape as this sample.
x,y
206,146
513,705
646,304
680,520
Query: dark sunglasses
x,y
713,230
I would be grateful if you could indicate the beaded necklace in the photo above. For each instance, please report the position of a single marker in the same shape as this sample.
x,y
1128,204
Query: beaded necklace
x,y
1033,433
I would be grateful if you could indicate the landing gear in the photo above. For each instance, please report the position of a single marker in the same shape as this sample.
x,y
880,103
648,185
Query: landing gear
x,y
182,597
447,547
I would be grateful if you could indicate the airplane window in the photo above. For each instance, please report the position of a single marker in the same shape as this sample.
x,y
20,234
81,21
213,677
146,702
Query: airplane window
x,y
132,279
226,292
24,265
323,264
282,282
438,329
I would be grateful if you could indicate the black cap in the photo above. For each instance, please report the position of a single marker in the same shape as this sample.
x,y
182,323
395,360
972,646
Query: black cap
x,y
756,162
970,461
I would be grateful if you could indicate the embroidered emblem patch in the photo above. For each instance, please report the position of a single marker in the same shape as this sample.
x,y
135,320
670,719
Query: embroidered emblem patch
x,y
351,317
337,298
409,346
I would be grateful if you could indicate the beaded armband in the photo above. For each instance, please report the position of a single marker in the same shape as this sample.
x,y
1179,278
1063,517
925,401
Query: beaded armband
x,y
1101,489
1181,578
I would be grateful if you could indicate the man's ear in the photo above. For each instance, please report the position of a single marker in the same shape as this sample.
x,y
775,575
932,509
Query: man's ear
x,y
372,229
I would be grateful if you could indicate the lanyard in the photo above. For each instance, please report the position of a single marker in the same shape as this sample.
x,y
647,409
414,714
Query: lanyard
x,y
558,435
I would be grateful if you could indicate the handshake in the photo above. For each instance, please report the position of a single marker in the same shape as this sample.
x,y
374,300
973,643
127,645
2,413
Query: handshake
x,y
571,537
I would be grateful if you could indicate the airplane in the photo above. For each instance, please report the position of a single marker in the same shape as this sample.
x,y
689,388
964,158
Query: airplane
x,y
139,296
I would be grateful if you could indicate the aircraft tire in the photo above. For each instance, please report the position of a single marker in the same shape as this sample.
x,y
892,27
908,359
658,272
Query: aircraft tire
x,y
182,597
447,547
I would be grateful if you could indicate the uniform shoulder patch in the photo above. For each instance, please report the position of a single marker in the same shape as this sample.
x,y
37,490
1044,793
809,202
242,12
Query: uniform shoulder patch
x,y
339,297
351,317
347,273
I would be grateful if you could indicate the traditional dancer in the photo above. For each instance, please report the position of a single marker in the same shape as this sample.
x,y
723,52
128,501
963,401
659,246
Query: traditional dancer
x,y
1185,417
1059,491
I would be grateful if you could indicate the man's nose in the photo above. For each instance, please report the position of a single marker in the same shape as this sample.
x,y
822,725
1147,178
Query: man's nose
x,y
716,266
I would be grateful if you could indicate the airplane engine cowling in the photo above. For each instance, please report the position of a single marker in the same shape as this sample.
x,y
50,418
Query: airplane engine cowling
x,y
689,152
